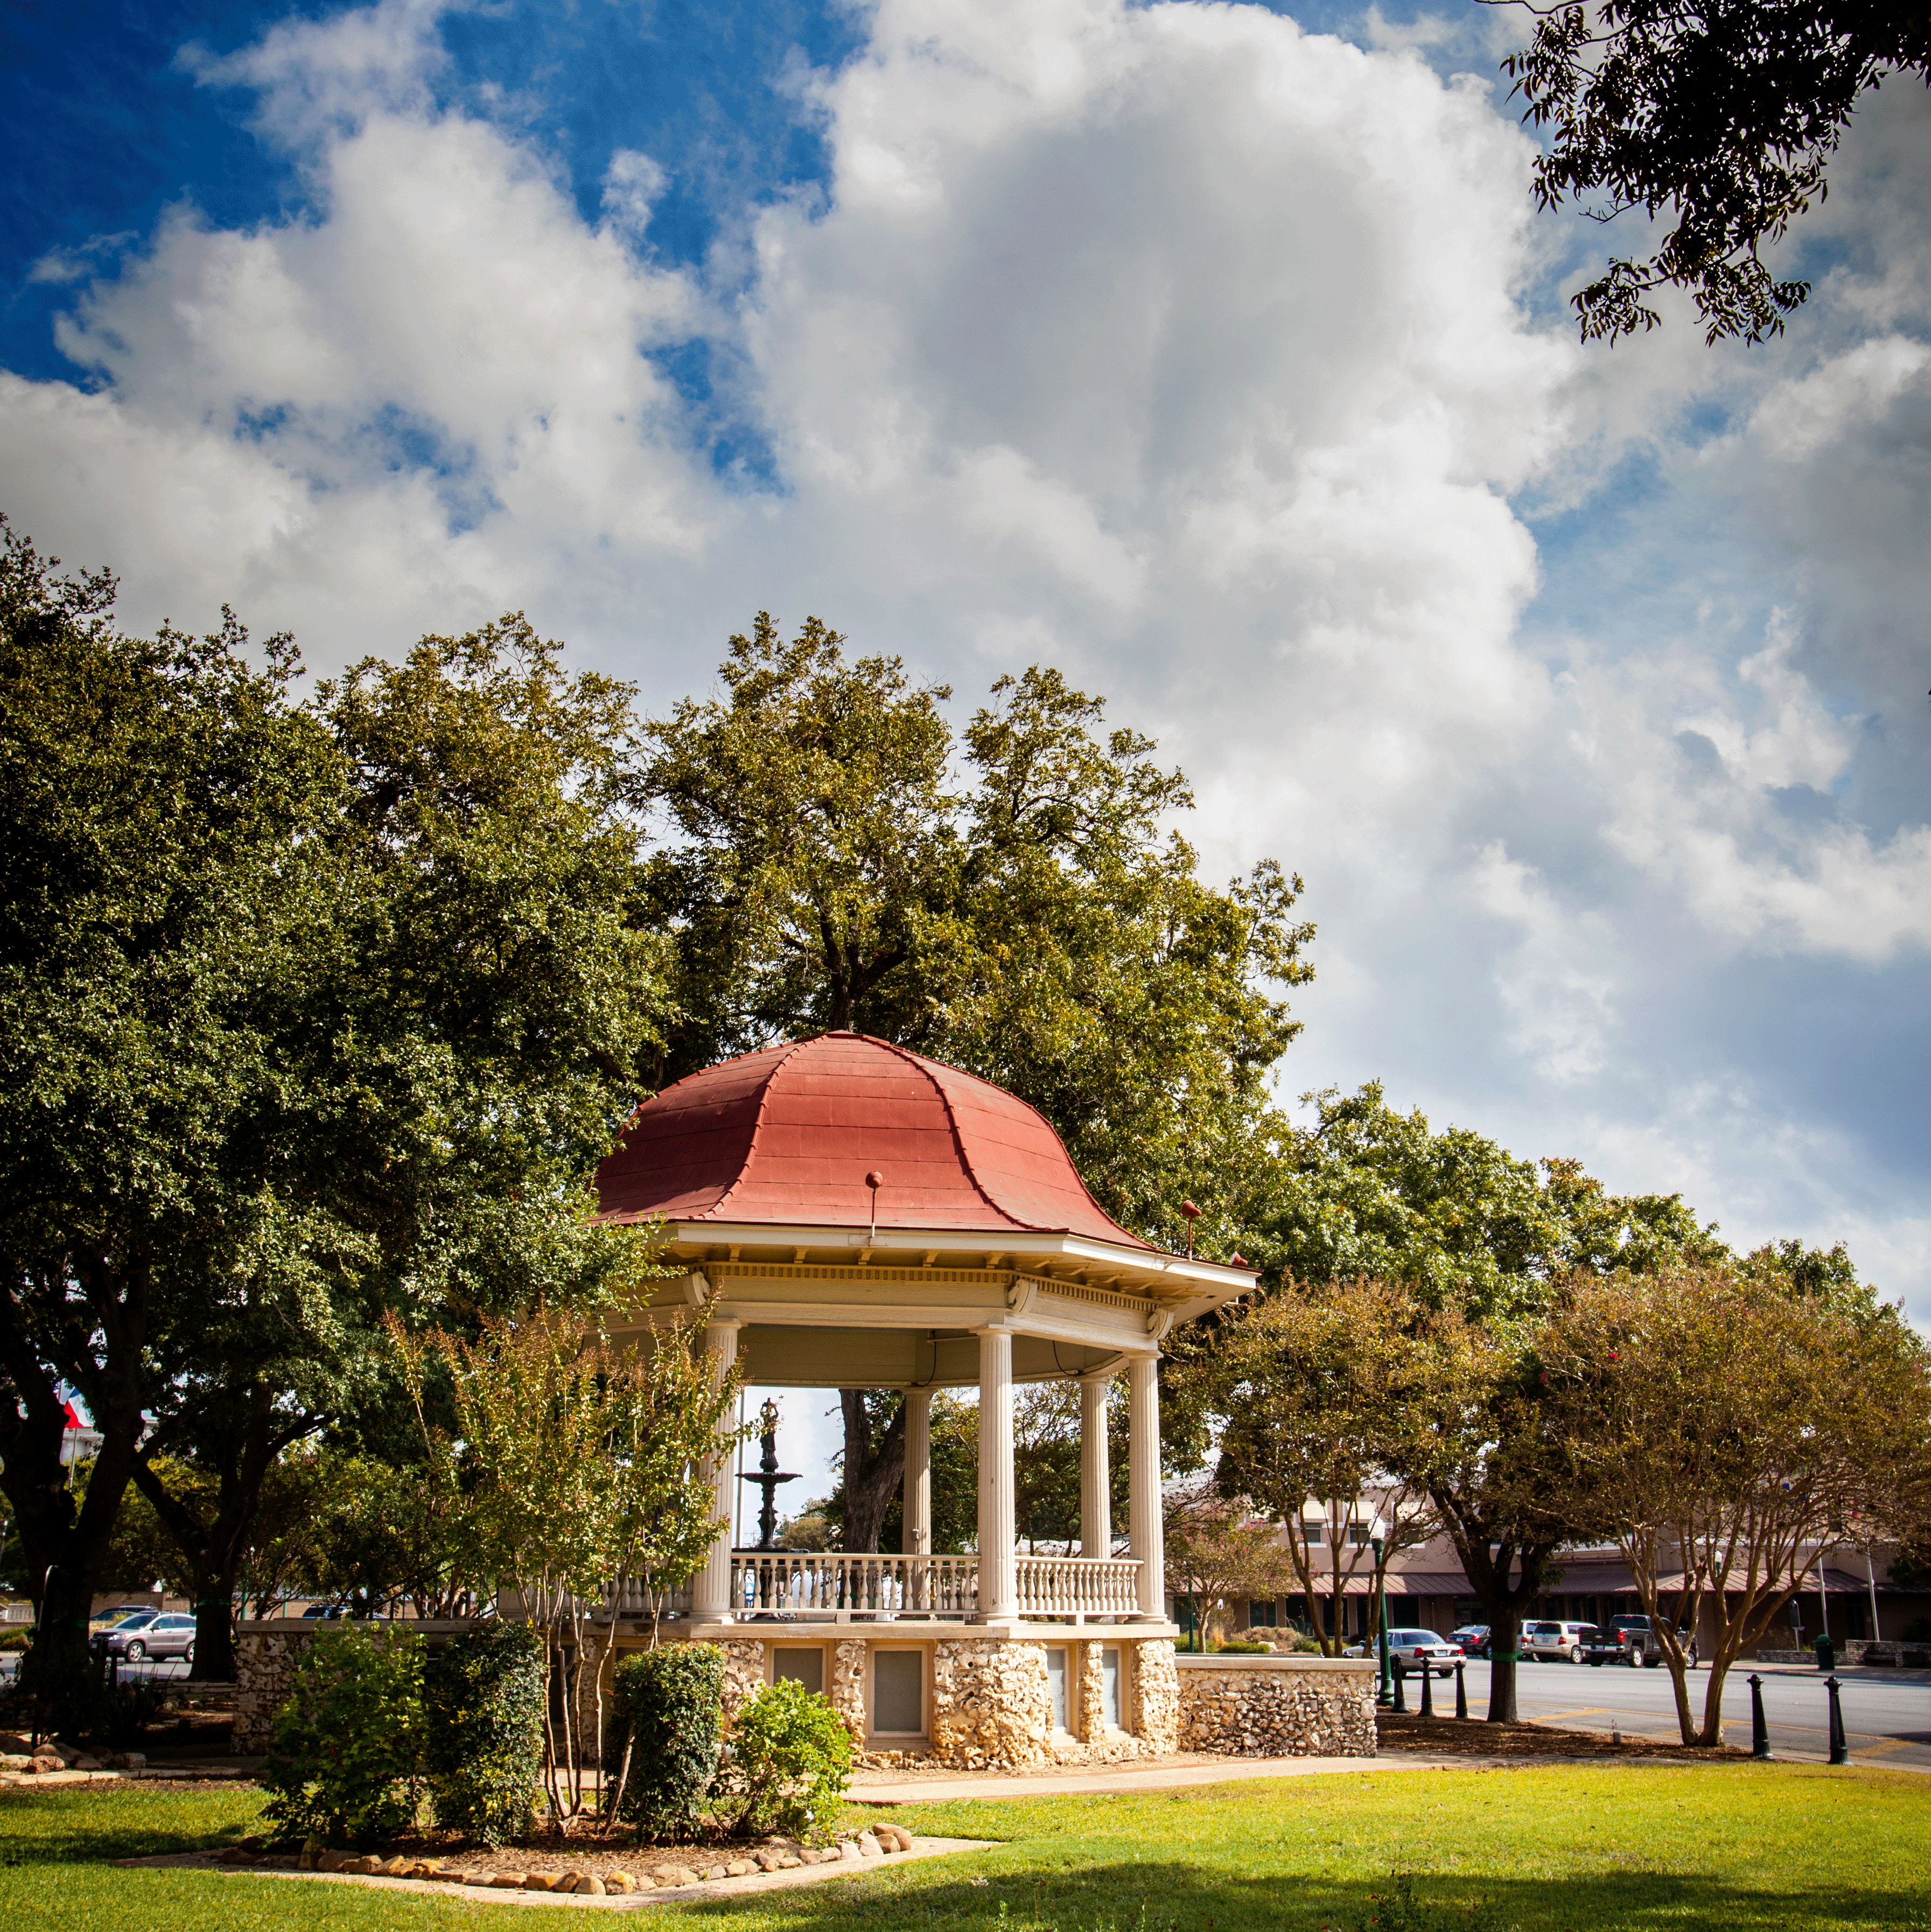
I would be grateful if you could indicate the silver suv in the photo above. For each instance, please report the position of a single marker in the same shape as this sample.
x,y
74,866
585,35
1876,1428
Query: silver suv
x,y
1557,1643
150,1633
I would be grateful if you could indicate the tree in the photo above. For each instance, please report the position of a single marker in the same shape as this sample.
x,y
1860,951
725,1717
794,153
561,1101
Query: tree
x,y
1002,898
1315,1391
319,1010
158,801
1723,116
1493,1460
1456,1218
1217,1548
578,1465
1721,1425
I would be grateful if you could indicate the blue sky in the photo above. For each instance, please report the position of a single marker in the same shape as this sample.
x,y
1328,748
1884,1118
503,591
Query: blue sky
x,y
1216,353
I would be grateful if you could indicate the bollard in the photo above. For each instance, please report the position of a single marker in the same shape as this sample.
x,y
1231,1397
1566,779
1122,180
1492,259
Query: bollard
x,y
1427,1688
1759,1730
1840,1752
1401,1700
1460,1689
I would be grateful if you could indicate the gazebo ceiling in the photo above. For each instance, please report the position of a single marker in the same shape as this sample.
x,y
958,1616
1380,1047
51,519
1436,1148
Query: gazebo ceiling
x,y
787,1137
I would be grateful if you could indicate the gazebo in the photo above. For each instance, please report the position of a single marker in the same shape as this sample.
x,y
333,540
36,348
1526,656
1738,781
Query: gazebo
x,y
847,1214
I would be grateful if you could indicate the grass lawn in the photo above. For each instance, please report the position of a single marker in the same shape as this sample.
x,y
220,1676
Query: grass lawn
x,y
1541,1848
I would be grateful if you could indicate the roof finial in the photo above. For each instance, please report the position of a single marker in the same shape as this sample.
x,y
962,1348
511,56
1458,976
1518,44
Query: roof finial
x,y
1193,1215
875,1180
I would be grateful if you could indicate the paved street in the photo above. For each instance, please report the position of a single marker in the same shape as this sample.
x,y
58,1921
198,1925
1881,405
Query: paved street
x,y
1886,1714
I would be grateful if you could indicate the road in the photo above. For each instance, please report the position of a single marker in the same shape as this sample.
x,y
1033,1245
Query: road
x,y
1887,1713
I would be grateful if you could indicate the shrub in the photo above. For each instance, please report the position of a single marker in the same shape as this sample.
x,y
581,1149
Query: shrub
x,y
788,1761
483,1732
343,1764
1244,1647
668,1713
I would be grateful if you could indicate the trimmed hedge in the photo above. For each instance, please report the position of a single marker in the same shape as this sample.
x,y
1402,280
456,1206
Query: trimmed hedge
x,y
668,1710
483,1747
343,1764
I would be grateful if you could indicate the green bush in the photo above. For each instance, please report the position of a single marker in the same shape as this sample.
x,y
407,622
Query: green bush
x,y
19,1636
788,1763
669,1713
1244,1647
343,1764
483,1732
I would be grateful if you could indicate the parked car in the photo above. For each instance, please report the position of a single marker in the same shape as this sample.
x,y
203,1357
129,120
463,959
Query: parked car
x,y
1418,1650
150,1633
1474,1638
106,1619
1556,1643
1632,1640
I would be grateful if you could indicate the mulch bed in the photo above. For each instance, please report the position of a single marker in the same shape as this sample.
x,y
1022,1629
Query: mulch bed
x,y
1447,1737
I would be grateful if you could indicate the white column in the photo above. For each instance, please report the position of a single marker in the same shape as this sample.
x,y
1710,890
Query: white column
x,y
917,1472
1143,1473
998,1518
711,1593
1096,1475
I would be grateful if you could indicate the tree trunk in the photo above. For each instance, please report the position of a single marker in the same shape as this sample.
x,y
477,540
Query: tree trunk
x,y
63,1547
872,1471
1505,1637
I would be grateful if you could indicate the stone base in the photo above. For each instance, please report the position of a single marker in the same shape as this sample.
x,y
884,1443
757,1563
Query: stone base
x,y
985,1699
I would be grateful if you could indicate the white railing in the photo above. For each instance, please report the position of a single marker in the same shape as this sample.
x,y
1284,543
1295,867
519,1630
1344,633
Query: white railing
x,y
820,1585
1079,1586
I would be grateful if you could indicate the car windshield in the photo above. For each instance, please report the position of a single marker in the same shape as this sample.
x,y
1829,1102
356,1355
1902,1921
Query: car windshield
x,y
1427,1636
136,1619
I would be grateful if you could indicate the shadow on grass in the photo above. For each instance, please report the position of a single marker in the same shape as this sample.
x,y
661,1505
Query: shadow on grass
x,y
1145,1897
78,1825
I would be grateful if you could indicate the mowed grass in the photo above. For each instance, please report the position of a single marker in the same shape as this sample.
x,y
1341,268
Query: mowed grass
x,y
1556,1848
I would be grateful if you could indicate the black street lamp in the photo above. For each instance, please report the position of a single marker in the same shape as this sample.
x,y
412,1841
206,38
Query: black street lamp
x,y
1384,1696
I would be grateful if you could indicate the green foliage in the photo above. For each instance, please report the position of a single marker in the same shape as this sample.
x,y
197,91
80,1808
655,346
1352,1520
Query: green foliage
x,y
1003,898
1396,1909
482,1702
1723,116
788,1760
668,1709
1456,1218
343,1764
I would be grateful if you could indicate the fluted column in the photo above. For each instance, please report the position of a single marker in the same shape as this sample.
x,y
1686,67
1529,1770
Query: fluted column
x,y
1096,1474
998,1518
1143,1390
917,1472
711,1594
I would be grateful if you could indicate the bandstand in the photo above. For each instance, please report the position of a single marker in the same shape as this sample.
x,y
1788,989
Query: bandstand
x,y
848,1214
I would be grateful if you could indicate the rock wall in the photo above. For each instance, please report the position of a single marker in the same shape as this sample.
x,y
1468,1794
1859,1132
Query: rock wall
x,y
846,1690
265,1656
1276,1706
1156,1698
744,1673
992,1704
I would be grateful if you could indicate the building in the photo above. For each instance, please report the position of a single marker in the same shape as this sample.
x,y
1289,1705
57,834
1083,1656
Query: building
x,y
843,1213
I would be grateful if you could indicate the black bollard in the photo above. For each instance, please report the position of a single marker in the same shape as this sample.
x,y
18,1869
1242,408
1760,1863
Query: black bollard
x,y
1460,1689
1840,1751
1759,1730
1427,1688
1401,1701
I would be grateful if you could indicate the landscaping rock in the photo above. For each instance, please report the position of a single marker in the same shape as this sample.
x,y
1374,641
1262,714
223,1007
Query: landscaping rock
x,y
764,1860
508,1881
740,1868
541,1882
12,1744
618,1881
868,1846
86,1761
789,1861
716,1872
590,1884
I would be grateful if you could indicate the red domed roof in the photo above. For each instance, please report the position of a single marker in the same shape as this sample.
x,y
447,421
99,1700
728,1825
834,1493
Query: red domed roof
x,y
787,1136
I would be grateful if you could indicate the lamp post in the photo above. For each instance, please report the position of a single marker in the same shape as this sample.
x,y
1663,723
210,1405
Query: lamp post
x,y
1384,1695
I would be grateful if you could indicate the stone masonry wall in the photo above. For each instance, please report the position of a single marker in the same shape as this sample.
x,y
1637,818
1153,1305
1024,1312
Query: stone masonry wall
x,y
1276,1707
992,1704
846,1690
1157,1697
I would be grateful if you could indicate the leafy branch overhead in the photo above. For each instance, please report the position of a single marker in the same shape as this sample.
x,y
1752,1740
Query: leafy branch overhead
x,y
1721,118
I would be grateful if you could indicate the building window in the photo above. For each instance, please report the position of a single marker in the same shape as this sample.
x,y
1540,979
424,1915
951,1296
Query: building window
x,y
799,1665
1317,1535
1110,1688
898,1693
1357,1535
1263,1616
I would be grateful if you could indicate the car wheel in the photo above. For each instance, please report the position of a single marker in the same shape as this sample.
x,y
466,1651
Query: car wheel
x,y
1575,1653
187,1657
136,1651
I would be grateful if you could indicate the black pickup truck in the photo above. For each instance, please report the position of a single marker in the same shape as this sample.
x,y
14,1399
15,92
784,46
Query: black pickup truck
x,y
1632,1640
